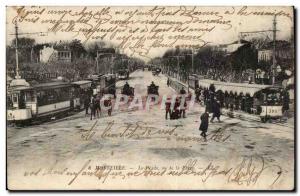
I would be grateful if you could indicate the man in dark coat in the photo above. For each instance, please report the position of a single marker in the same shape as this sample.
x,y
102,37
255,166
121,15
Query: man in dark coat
x,y
92,107
216,111
108,104
152,85
182,91
168,108
182,107
97,106
286,101
86,104
197,92
175,110
126,86
205,94
204,124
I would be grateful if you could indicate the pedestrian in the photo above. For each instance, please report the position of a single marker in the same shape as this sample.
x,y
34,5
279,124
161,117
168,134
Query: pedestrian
x,y
286,102
182,91
97,106
182,107
204,124
86,104
168,108
175,110
92,107
168,82
197,92
205,94
108,104
216,111
212,88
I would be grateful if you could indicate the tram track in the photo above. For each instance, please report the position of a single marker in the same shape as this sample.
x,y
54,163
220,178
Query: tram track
x,y
242,117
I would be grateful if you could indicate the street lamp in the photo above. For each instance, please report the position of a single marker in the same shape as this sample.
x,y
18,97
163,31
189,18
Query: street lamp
x,y
192,55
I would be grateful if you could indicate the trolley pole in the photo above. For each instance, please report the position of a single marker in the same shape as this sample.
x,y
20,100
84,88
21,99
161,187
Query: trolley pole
x,y
97,66
112,63
177,57
17,56
242,35
192,60
274,51
192,55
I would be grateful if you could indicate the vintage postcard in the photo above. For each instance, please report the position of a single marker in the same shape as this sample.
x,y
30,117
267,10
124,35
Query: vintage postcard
x,y
150,98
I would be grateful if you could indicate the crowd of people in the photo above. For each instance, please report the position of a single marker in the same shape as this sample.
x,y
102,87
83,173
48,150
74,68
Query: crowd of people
x,y
213,102
92,104
177,109
243,102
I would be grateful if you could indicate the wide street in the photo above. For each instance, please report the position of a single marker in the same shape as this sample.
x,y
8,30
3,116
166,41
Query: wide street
x,y
256,155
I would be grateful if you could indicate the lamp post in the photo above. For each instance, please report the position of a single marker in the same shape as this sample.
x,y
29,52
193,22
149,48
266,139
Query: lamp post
x,y
192,55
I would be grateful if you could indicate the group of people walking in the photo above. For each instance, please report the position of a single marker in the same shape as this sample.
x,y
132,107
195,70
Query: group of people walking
x,y
177,109
92,103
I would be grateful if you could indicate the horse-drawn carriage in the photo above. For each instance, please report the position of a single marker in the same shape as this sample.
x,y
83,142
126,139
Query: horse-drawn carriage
x,y
152,89
127,90
156,71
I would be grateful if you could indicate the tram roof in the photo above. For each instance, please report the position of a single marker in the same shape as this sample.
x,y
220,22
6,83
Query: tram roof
x,y
108,76
238,88
19,88
48,85
82,82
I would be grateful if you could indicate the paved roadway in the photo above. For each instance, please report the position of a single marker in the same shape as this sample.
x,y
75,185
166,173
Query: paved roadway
x,y
64,143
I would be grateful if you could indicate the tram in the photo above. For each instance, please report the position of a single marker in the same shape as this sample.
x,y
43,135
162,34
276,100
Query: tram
x,y
123,74
108,84
194,81
178,86
82,89
262,100
156,71
26,103
103,84
95,85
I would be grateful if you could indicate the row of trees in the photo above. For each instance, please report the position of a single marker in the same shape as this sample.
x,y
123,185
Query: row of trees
x,y
215,62
209,61
83,63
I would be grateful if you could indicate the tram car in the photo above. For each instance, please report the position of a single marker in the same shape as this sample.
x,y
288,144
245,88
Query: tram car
x,y
82,89
96,80
108,84
194,81
156,71
123,74
262,100
177,86
26,103
271,107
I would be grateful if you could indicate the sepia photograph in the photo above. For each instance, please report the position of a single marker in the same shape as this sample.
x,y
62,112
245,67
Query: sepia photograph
x,y
150,98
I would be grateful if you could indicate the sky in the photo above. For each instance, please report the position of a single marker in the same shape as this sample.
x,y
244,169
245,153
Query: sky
x,y
217,36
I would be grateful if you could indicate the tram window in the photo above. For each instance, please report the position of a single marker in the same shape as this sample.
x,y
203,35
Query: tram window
x,y
22,104
42,98
9,102
30,96
15,98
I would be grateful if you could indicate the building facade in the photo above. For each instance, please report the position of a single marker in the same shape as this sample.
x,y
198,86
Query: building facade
x,y
61,53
